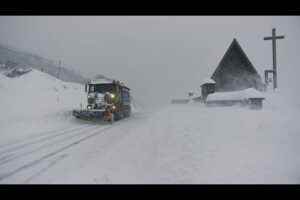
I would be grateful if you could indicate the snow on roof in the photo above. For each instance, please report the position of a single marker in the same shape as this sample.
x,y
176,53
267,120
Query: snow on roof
x,y
101,81
207,81
236,95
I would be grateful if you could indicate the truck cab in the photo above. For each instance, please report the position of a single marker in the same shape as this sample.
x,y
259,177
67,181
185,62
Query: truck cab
x,y
109,94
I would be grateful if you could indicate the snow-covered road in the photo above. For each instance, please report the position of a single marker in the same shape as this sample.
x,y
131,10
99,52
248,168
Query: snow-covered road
x,y
176,144
31,156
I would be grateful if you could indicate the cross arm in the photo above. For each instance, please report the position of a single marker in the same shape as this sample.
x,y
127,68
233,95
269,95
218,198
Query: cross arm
x,y
268,38
277,37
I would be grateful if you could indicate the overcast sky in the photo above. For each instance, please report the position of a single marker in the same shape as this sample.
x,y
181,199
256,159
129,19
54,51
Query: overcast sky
x,y
158,57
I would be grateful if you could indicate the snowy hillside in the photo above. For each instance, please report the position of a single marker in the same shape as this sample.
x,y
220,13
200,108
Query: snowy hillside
x,y
9,54
33,99
37,92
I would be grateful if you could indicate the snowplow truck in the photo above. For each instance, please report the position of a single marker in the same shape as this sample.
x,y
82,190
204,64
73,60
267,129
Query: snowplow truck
x,y
107,100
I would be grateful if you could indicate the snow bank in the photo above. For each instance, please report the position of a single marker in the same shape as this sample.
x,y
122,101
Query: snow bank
x,y
4,81
196,94
135,107
37,92
283,99
35,100
236,95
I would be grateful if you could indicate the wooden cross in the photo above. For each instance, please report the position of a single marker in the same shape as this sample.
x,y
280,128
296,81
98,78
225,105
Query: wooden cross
x,y
274,38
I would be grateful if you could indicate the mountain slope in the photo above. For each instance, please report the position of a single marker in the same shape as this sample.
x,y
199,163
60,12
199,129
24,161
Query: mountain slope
x,y
10,54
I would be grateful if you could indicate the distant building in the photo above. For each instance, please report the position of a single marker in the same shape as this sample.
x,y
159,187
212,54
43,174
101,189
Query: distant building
x,y
236,72
179,101
208,87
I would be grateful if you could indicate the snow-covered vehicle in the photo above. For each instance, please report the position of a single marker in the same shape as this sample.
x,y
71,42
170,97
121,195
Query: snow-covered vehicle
x,y
107,100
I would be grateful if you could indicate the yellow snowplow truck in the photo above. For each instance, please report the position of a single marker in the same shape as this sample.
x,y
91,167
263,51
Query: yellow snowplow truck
x,y
108,100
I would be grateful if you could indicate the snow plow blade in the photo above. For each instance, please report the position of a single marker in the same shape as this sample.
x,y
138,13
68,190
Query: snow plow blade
x,y
91,114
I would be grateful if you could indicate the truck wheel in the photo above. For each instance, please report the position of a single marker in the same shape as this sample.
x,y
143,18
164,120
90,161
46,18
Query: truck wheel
x,y
119,115
127,111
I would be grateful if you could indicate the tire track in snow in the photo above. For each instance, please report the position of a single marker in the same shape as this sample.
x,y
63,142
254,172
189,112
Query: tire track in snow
x,y
9,150
36,161
38,136
47,145
46,168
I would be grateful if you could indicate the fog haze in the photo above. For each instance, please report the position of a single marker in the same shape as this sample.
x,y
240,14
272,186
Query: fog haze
x,y
158,57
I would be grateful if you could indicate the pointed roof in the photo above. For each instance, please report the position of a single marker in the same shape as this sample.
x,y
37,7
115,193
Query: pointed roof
x,y
235,46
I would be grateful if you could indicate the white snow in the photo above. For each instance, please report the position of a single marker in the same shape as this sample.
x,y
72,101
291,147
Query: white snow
x,y
196,94
36,101
188,144
4,81
40,142
208,80
236,95
101,81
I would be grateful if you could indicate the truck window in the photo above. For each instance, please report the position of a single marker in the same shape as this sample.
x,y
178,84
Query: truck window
x,y
91,88
102,88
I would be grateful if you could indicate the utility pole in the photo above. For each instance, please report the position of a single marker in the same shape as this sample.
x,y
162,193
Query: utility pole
x,y
58,68
273,38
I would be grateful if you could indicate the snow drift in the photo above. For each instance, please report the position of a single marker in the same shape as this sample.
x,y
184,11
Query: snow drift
x,y
236,95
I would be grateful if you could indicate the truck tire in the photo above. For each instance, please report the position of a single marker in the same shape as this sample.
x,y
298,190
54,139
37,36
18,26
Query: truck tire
x,y
119,115
127,112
